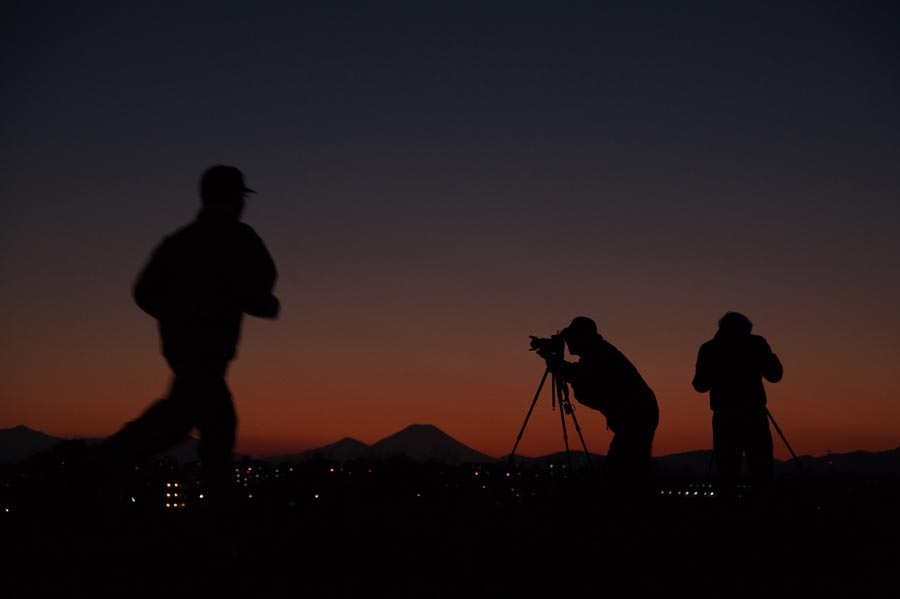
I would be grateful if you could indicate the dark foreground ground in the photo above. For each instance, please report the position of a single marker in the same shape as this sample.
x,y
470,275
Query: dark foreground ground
x,y
416,531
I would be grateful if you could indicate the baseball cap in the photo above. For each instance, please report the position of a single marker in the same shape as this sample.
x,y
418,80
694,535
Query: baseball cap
x,y
222,178
580,325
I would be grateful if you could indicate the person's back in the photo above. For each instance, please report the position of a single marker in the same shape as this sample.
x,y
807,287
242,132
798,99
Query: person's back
x,y
200,282
606,380
731,367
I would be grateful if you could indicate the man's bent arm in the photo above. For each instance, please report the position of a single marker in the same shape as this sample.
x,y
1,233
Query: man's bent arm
x,y
259,300
149,288
701,378
772,368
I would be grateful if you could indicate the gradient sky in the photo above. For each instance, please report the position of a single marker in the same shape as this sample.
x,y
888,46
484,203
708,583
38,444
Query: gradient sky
x,y
438,181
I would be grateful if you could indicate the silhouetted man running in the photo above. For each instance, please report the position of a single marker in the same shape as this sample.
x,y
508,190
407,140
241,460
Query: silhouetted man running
x,y
198,284
731,367
605,380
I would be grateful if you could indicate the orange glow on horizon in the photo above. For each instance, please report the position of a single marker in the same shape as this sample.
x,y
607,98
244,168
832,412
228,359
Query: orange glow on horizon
x,y
300,385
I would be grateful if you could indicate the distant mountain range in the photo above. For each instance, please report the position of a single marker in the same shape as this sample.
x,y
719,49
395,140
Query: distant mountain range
x,y
20,443
425,443
417,443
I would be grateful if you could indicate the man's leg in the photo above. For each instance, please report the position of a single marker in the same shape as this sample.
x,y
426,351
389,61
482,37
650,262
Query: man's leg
x,y
162,425
627,471
217,423
760,453
728,454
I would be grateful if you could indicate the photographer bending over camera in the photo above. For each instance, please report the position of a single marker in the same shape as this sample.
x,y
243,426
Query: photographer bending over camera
x,y
605,380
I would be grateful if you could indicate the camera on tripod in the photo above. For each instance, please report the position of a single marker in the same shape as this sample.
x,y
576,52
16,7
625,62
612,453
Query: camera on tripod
x,y
548,347
552,350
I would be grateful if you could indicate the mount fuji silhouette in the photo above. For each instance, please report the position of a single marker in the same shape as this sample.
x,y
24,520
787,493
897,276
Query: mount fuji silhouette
x,y
426,443
421,443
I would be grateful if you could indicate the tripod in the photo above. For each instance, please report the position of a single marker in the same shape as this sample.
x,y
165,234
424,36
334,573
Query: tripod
x,y
771,418
783,438
559,394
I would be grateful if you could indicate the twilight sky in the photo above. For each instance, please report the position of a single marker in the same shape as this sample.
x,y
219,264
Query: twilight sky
x,y
438,181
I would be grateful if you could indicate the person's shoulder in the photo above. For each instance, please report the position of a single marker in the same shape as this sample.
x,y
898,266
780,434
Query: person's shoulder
x,y
235,230
759,342
185,229
250,239
609,351
178,235
708,345
602,345
245,230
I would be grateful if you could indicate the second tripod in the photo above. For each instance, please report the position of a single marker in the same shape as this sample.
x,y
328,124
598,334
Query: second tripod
x,y
559,395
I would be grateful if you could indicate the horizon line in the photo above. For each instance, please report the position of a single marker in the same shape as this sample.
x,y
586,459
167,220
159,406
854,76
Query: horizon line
x,y
269,456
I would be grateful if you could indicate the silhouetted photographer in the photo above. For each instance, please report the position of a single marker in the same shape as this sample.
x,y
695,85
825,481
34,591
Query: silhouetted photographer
x,y
605,380
198,284
731,367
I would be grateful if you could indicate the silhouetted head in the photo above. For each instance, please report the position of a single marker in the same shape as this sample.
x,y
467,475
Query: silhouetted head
x,y
735,324
222,188
579,334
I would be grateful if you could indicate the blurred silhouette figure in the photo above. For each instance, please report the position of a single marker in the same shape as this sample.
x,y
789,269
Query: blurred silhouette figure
x,y
605,380
198,284
731,367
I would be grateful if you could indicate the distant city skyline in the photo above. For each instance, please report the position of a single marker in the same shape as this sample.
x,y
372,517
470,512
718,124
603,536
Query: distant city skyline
x,y
437,182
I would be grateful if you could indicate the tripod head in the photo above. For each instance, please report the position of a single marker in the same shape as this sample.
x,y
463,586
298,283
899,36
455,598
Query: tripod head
x,y
552,350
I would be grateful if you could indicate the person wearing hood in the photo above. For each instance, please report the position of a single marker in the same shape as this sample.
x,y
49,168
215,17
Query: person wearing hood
x,y
731,367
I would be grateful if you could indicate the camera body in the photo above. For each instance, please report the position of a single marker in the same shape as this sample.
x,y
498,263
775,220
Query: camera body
x,y
548,347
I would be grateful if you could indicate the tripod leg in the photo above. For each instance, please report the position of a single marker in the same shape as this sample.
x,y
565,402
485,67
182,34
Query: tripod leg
x,y
565,406
587,454
562,419
781,434
527,416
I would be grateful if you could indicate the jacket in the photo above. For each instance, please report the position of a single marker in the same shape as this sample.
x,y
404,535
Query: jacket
x,y
732,368
605,380
199,283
